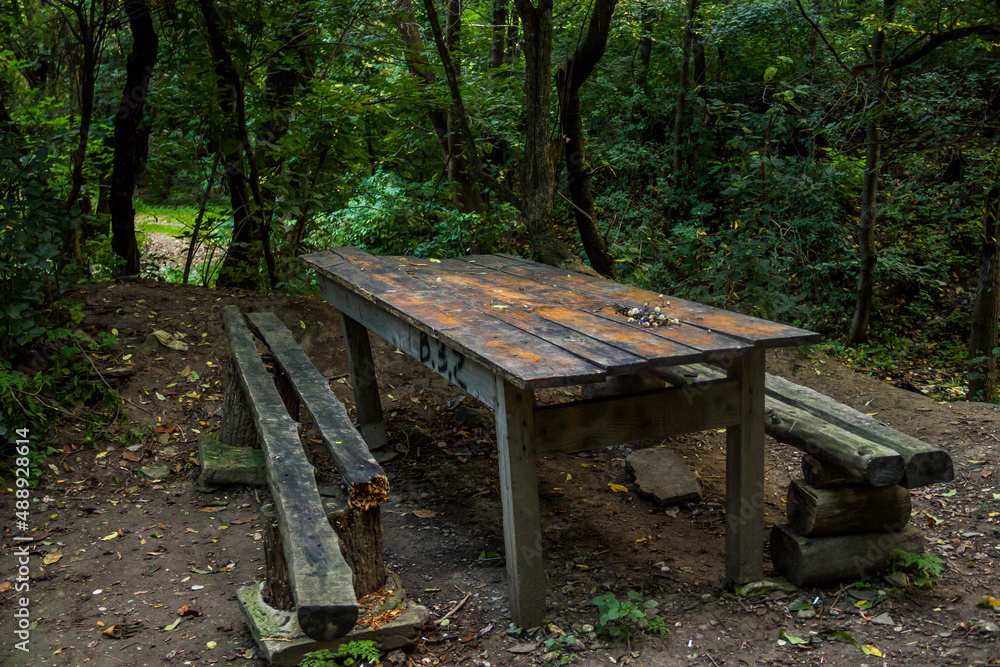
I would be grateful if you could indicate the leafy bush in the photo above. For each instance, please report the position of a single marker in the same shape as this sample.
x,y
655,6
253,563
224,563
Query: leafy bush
x,y
394,217
624,617
67,387
33,225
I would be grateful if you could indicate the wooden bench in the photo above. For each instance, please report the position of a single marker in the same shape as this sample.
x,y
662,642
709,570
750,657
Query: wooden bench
x,y
852,506
308,564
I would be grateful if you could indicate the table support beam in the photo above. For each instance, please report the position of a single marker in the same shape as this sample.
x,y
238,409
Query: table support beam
x,y
371,422
745,473
522,529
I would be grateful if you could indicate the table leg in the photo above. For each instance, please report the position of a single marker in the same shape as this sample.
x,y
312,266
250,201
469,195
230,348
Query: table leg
x,y
519,496
371,423
745,474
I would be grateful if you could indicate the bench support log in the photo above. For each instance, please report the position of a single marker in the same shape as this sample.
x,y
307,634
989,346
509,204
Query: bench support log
x,y
815,561
238,428
858,509
360,534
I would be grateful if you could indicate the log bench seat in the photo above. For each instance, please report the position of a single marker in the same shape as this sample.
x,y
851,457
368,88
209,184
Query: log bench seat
x,y
306,557
851,508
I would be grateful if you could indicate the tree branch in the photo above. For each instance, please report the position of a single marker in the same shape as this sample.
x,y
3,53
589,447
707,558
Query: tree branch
x,y
933,40
819,32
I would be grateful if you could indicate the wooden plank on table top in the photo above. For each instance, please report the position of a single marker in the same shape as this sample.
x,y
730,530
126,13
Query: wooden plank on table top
x,y
531,314
756,330
322,259
522,358
584,314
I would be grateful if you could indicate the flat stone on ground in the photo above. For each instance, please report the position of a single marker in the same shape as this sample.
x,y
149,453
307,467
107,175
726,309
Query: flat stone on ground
x,y
222,464
663,477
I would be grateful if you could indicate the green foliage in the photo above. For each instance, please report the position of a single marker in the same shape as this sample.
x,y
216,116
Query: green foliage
x,y
345,655
391,216
624,617
68,388
563,648
921,569
33,225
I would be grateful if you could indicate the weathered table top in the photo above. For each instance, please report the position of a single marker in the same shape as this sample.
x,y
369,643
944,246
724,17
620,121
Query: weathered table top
x,y
537,326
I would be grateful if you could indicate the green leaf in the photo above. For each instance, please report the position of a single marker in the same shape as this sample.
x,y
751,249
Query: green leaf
x,y
840,634
792,639
948,494
769,73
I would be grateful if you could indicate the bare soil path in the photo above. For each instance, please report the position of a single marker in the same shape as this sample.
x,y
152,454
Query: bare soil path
x,y
118,554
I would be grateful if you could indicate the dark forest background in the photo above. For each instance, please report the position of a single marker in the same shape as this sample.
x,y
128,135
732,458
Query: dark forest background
x,y
828,164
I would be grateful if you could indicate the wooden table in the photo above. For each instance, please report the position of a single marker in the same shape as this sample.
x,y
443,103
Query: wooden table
x,y
501,327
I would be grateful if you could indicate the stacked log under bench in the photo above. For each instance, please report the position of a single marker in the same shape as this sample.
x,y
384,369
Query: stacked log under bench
x,y
852,506
323,547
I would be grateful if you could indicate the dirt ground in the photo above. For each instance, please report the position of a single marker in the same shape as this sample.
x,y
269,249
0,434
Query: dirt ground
x,y
119,553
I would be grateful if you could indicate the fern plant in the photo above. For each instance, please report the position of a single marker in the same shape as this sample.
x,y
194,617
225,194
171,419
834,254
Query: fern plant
x,y
922,569
345,655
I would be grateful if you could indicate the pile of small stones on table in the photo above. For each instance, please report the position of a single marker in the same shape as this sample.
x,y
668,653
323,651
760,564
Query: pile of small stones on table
x,y
646,316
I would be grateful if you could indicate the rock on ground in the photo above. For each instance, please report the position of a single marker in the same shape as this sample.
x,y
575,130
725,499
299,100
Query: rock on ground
x,y
663,477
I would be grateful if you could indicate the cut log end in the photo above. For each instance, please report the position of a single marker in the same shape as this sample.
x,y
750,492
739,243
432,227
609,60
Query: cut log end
x,y
366,496
327,623
928,467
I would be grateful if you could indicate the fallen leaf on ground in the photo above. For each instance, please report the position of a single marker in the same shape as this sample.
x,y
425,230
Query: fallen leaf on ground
x,y
173,626
5,586
115,631
111,536
188,610
868,649
617,488
171,341
52,558
424,514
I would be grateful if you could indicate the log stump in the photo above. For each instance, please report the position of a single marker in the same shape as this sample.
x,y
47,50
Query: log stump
x,y
238,426
359,532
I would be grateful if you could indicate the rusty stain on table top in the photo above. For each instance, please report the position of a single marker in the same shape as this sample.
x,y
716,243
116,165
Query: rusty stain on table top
x,y
539,326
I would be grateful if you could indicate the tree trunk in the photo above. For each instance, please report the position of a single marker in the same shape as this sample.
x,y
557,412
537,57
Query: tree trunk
x,y
446,124
289,71
682,89
498,44
869,189
645,45
569,79
986,308
537,168
130,141
237,268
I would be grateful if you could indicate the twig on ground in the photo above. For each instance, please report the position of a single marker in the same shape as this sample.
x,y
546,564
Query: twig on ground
x,y
455,608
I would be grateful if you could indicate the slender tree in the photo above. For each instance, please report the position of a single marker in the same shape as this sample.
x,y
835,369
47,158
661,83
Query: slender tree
x,y
986,307
237,267
569,78
682,90
869,188
131,141
89,22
